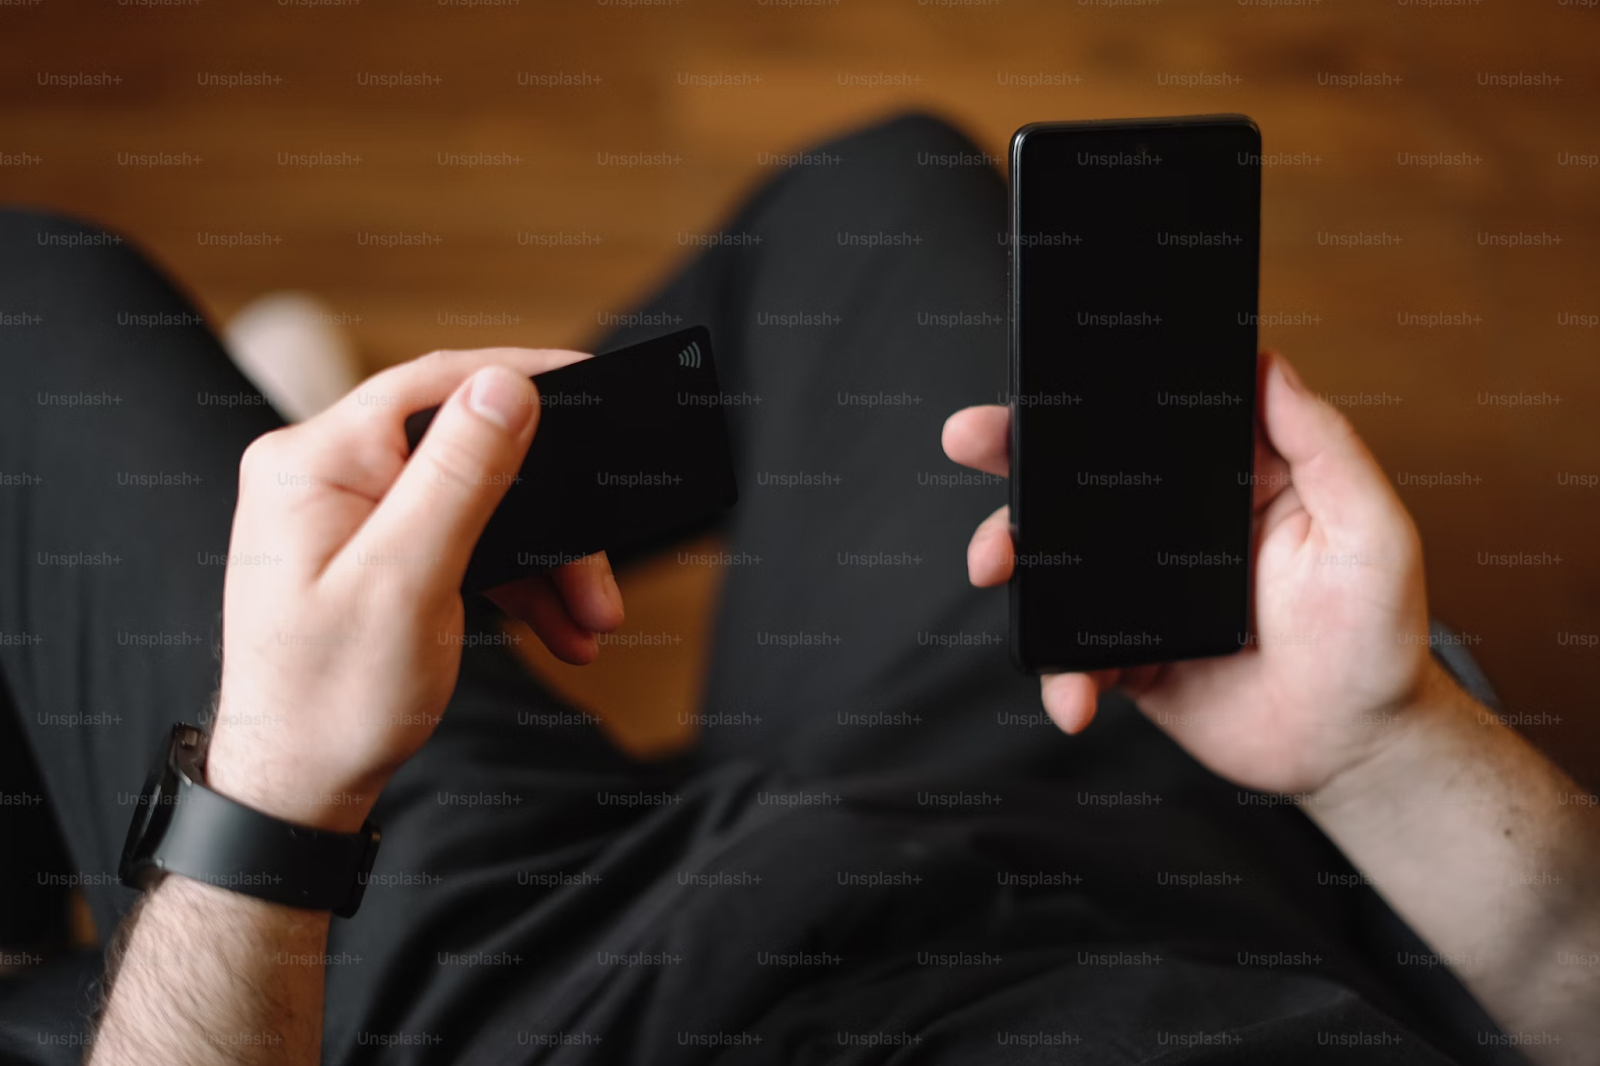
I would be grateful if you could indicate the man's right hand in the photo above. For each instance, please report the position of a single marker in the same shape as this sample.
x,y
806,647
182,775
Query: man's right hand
x,y
1488,851
1340,647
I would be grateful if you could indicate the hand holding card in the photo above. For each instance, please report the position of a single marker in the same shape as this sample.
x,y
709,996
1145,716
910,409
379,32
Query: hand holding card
x,y
632,448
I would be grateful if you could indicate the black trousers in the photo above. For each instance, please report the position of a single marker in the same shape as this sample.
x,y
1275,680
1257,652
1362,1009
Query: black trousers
x,y
849,646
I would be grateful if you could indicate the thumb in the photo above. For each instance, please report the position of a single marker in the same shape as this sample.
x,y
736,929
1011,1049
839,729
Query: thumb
x,y
1335,477
434,513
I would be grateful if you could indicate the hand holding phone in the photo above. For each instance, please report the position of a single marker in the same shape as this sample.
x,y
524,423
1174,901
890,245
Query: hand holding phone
x,y
1189,522
1340,645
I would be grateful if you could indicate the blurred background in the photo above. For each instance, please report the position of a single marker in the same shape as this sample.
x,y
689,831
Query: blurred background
x,y
471,174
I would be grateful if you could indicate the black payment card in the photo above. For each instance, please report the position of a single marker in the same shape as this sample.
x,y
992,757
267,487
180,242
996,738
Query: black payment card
x,y
631,448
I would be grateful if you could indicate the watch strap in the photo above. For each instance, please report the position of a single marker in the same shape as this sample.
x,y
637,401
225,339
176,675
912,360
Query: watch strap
x,y
213,839
208,837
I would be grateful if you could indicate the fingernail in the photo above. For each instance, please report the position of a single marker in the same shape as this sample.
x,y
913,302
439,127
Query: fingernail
x,y
500,396
1290,378
613,593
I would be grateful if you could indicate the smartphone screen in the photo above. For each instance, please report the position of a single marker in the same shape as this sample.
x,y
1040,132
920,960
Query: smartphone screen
x,y
1135,260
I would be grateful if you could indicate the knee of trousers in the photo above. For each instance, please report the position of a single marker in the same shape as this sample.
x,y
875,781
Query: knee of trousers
x,y
914,169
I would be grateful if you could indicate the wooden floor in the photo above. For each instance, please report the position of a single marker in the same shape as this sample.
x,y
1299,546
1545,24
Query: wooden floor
x,y
386,99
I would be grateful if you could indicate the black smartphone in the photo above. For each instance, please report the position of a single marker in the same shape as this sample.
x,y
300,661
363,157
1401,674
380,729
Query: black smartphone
x,y
1135,252
631,450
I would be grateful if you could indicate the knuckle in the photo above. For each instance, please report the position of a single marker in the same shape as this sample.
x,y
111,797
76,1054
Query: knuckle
x,y
1337,424
383,391
456,462
260,457
1407,537
445,356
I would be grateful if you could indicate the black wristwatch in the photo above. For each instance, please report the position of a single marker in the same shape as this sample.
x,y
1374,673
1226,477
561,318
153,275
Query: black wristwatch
x,y
183,827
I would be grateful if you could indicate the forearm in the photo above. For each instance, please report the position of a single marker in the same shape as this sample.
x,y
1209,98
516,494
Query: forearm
x,y
1492,855
211,976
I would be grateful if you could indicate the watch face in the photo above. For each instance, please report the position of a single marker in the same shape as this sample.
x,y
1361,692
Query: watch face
x,y
150,818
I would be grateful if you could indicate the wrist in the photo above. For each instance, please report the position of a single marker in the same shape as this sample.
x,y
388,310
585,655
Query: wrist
x,y
298,791
1415,729
201,900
